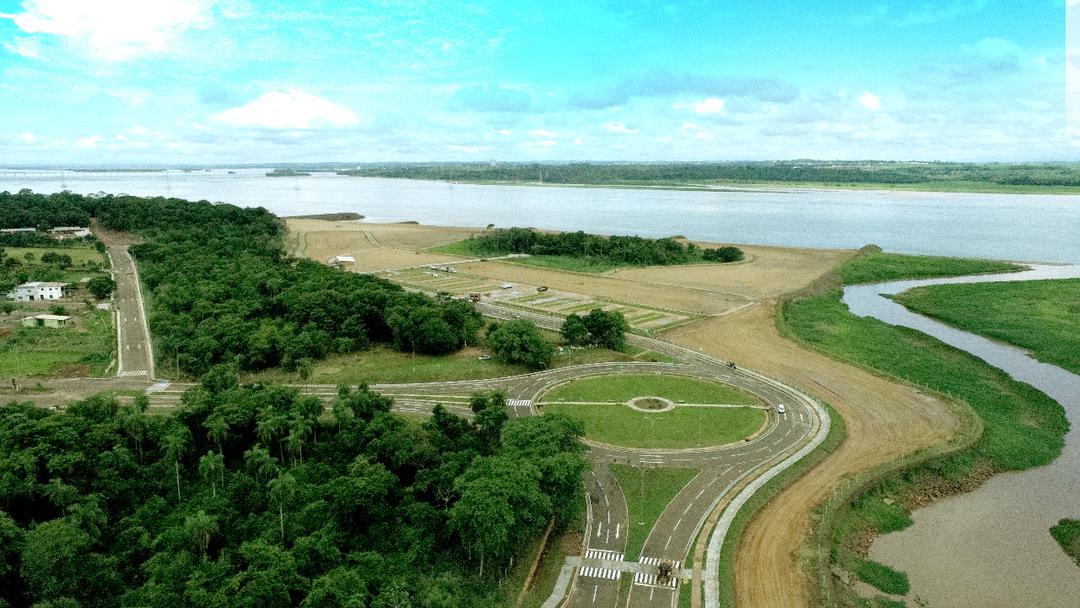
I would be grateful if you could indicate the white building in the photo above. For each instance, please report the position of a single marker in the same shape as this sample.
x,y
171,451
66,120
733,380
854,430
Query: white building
x,y
68,232
38,290
343,261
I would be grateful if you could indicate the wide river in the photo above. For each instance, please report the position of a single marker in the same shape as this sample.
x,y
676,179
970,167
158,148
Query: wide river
x,y
987,548
1034,228
992,547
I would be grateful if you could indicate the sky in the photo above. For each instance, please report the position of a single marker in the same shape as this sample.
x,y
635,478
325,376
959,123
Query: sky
x,y
249,81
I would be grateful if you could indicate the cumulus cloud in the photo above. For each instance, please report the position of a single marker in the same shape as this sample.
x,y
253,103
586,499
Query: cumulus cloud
x,y
711,105
661,83
288,110
112,30
870,101
491,99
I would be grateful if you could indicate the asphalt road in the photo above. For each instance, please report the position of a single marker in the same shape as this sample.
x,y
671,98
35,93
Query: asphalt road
x,y
135,359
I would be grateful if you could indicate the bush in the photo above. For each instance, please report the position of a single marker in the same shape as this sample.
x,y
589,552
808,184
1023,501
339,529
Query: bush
x,y
519,341
101,287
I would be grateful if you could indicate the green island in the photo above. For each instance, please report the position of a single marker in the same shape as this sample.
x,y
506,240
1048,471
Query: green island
x,y
647,491
1067,534
581,252
1040,316
682,427
1047,178
623,387
1021,426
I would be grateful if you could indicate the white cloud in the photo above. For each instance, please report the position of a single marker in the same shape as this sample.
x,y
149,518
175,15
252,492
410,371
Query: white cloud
x,y
88,142
618,127
870,101
503,132
24,47
27,138
541,133
288,109
711,105
114,30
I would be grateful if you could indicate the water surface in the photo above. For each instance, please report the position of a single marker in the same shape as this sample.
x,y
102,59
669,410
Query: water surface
x,y
1001,226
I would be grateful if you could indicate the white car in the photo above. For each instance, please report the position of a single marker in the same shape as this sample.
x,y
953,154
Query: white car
x,y
780,408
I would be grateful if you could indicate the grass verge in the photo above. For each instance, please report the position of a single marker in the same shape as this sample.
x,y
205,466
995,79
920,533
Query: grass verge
x,y
565,540
683,427
648,492
84,349
1040,316
875,267
1067,534
622,388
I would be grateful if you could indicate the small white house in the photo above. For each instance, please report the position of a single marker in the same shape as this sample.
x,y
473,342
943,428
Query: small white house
x,y
38,290
47,321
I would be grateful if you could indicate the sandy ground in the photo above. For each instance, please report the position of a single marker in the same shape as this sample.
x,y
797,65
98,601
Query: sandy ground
x,y
884,421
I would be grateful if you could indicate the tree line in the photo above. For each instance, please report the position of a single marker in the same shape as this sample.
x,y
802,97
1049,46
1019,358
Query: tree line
x,y
223,289
256,496
628,250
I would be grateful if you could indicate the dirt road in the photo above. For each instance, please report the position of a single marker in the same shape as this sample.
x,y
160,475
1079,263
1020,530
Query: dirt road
x,y
884,421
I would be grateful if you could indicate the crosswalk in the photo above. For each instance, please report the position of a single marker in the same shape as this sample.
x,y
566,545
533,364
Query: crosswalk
x,y
515,403
604,573
642,578
133,374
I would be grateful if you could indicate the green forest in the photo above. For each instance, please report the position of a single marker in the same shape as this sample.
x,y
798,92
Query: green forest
x,y
616,250
255,496
687,173
223,290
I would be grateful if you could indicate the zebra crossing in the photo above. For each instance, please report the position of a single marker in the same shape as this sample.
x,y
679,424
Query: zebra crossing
x,y
604,573
515,403
133,374
648,579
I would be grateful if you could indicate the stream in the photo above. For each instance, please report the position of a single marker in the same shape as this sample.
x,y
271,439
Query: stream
x,y
990,547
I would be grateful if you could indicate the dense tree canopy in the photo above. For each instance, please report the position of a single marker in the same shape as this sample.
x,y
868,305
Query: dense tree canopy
x,y
224,291
251,496
598,328
631,250
520,341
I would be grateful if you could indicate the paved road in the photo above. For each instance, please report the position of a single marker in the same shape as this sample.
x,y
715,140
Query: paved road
x,y
134,354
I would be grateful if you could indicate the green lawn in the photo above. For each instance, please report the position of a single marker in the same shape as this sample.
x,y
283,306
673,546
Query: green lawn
x,y
1040,316
1067,534
622,388
64,351
878,267
386,365
648,492
683,427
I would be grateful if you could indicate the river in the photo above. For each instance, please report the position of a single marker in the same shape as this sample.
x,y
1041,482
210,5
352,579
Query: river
x,y
990,547
1002,226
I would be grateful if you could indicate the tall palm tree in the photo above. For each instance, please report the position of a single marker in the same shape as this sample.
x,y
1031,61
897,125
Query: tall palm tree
x,y
212,467
282,492
176,444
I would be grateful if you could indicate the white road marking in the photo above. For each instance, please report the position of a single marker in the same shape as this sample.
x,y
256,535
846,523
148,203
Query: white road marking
x,y
617,526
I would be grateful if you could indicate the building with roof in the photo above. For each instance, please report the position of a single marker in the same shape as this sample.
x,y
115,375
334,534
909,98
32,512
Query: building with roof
x,y
47,321
68,232
39,290
343,261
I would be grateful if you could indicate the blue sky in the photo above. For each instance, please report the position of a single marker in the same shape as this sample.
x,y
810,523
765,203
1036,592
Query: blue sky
x,y
238,81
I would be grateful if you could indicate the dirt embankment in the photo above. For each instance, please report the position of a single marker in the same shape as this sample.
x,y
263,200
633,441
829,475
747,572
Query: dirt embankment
x,y
884,420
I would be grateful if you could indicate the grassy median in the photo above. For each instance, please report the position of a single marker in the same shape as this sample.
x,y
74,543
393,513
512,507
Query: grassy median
x,y
621,388
648,492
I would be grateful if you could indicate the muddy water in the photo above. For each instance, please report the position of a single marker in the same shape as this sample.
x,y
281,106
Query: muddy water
x,y
991,547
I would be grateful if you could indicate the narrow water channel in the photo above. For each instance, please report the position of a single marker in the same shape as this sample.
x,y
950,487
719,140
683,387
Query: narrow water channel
x,y
991,547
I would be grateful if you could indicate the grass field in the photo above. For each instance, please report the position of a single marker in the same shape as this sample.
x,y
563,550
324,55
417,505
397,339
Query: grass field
x,y
84,350
878,267
80,256
1040,316
1022,427
385,365
647,491
622,388
683,427
1067,534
